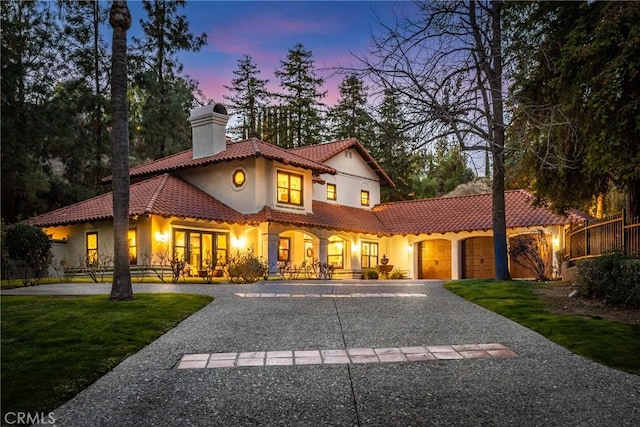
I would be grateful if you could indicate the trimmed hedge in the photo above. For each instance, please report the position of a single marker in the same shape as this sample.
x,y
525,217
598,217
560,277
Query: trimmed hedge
x,y
613,277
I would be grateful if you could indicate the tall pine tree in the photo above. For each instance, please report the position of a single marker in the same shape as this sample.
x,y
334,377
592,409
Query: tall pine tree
x,y
349,117
249,98
302,97
167,96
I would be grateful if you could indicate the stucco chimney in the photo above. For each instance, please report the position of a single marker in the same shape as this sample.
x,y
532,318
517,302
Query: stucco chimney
x,y
208,125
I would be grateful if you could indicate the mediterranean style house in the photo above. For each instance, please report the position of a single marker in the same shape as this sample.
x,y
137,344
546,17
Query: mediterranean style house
x,y
317,202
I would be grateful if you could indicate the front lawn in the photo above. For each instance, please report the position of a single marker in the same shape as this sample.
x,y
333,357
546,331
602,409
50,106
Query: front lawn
x,y
611,343
55,346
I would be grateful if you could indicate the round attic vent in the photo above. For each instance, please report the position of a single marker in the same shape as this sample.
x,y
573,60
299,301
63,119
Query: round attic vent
x,y
220,109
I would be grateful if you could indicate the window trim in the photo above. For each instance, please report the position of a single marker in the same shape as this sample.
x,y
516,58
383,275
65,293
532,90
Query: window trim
x,y
334,192
366,253
288,188
287,249
340,264
365,198
215,250
89,250
133,260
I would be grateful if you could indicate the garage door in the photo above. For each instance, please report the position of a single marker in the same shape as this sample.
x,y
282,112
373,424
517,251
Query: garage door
x,y
435,259
543,243
478,258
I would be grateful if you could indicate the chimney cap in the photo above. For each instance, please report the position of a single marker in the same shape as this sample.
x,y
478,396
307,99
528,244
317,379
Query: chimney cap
x,y
220,109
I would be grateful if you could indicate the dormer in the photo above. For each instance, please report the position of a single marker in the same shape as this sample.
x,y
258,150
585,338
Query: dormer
x,y
358,176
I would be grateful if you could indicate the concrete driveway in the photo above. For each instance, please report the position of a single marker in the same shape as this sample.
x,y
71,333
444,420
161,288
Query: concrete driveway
x,y
534,382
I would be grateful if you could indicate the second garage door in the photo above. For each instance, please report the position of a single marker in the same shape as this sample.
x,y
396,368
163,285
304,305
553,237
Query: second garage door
x,y
478,258
435,259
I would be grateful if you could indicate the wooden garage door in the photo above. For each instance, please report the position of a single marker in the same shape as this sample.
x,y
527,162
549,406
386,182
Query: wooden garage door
x,y
520,272
435,259
478,258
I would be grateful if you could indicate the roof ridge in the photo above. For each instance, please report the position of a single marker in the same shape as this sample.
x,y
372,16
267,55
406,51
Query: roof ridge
x,y
154,197
256,148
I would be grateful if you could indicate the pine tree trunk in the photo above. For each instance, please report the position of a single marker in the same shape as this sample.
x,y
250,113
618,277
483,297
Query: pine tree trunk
x,y
120,20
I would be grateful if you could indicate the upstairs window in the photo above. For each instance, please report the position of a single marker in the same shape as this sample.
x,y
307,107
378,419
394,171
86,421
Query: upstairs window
x,y
364,198
290,188
331,192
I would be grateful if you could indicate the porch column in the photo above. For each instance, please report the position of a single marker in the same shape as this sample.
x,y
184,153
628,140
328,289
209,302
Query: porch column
x,y
455,259
323,252
272,243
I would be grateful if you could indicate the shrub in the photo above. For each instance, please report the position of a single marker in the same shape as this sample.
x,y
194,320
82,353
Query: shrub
x,y
396,274
245,268
369,274
612,277
29,251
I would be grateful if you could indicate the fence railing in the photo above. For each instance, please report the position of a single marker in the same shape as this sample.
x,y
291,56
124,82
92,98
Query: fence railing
x,y
617,232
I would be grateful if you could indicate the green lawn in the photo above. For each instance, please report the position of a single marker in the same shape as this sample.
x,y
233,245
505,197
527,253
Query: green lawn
x,y
611,343
55,346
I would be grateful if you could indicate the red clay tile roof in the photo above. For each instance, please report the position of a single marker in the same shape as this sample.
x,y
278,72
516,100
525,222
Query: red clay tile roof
x,y
326,215
168,196
323,152
465,213
163,195
235,151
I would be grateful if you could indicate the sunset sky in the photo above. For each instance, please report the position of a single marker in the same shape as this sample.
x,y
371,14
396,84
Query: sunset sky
x,y
266,30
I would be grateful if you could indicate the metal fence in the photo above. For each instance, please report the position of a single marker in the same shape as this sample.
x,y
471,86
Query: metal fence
x,y
618,233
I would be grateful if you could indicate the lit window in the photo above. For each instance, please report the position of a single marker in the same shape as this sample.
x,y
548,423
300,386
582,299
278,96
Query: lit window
x,y
364,198
335,253
133,247
239,178
331,192
92,248
289,188
369,254
198,248
284,249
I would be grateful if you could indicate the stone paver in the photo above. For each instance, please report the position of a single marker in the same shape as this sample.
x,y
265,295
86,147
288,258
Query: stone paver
x,y
351,355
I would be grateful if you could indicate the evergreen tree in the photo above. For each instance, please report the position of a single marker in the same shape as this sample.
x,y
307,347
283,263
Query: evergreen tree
x,y
30,67
88,78
392,148
349,118
167,97
248,99
302,97
578,94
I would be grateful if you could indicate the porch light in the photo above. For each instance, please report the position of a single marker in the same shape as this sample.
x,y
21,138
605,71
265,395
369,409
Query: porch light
x,y
355,247
238,242
162,237
556,243
409,248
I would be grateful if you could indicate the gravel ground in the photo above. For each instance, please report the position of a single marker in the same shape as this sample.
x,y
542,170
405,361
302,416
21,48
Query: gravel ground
x,y
546,385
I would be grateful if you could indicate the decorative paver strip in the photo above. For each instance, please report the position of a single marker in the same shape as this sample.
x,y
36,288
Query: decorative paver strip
x,y
345,356
327,295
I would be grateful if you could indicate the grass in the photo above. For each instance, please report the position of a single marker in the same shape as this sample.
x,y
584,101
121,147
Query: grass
x,y
55,346
613,344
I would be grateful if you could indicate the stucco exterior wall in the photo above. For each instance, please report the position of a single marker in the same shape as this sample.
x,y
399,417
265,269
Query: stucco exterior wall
x,y
353,176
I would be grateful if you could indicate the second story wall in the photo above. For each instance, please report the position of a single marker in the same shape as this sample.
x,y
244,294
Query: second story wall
x,y
353,177
251,184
